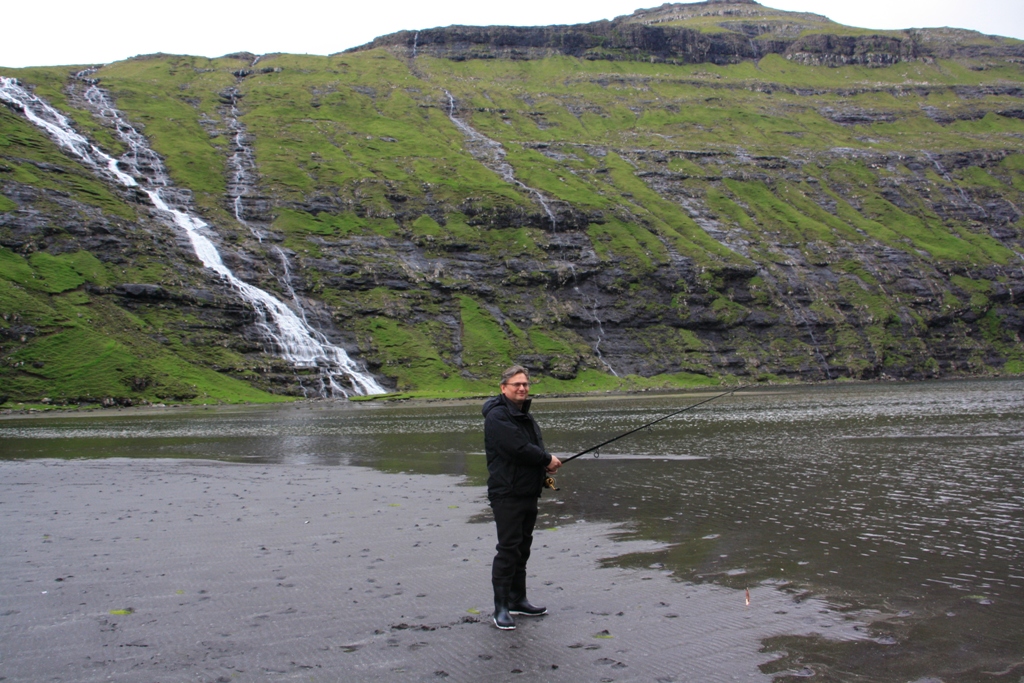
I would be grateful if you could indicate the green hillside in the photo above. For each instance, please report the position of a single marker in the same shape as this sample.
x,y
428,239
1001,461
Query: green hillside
x,y
802,215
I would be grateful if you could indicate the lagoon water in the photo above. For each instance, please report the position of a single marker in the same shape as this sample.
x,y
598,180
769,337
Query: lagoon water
x,y
903,500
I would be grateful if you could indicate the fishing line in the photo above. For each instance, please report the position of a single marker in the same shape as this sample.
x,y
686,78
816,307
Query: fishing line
x,y
549,482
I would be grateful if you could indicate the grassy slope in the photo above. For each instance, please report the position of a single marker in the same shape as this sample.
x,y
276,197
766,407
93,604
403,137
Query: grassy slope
x,y
85,348
362,128
583,105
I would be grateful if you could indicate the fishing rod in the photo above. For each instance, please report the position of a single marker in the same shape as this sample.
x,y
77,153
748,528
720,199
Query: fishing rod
x,y
550,481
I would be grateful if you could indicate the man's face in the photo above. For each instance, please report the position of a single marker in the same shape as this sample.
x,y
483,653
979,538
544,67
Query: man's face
x,y
516,389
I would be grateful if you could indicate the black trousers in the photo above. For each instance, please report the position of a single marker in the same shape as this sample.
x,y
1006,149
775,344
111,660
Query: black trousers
x,y
514,518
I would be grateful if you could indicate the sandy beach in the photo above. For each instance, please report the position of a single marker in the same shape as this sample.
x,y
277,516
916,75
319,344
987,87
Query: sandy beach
x,y
175,570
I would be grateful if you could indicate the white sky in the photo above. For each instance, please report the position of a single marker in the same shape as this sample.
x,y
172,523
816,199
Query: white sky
x,y
37,32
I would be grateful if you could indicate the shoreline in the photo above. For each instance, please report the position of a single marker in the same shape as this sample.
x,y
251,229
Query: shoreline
x,y
139,570
97,409
101,410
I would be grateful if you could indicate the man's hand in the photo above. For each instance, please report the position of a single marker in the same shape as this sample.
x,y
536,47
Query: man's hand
x,y
553,465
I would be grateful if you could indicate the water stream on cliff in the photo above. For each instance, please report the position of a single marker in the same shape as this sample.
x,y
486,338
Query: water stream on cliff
x,y
970,203
600,327
290,337
492,155
242,163
814,341
287,281
799,317
242,167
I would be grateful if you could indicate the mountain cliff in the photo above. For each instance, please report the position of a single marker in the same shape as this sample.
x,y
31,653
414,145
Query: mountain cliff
x,y
717,32
680,196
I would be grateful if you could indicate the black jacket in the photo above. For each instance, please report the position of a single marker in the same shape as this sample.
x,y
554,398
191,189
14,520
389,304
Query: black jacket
x,y
516,459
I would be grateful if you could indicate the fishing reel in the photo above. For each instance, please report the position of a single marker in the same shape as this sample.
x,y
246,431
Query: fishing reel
x,y
549,482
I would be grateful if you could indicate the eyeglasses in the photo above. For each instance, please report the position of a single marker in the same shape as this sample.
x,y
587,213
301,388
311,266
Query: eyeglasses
x,y
518,385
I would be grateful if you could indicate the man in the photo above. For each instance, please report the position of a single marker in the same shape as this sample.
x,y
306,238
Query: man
x,y
517,465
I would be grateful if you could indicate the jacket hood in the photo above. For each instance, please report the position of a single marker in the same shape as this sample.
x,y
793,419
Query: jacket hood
x,y
490,404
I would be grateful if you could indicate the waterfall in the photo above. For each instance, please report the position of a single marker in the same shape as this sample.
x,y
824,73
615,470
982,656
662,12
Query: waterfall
x,y
492,155
814,341
415,43
290,336
600,329
593,303
242,164
945,176
288,281
59,128
242,171
794,309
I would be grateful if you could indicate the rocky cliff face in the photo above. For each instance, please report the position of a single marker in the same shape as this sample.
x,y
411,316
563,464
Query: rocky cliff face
x,y
713,32
827,205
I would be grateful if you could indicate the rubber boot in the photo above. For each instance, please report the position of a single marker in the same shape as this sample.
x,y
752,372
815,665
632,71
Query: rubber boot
x,y
517,602
523,607
502,618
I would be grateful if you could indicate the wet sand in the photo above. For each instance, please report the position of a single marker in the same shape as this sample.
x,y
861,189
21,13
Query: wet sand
x,y
174,570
